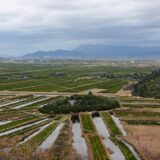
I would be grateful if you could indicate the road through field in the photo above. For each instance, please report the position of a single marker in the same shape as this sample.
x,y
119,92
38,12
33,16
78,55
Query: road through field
x,y
34,93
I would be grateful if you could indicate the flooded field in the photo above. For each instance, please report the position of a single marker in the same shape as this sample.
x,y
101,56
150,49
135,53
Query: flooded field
x,y
42,133
119,124
115,152
79,142
51,138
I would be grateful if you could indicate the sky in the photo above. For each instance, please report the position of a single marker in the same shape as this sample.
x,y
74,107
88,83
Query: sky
x,y
30,25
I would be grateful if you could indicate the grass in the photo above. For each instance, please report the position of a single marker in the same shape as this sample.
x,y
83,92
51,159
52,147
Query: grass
x,y
132,113
25,101
112,127
30,145
138,100
36,104
87,124
97,148
141,105
19,123
143,122
62,147
124,149
12,114
27,129
114,85
44,77
35,141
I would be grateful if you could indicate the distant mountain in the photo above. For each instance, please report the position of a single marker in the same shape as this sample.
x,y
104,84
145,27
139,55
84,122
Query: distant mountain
x,y
54,54
101,52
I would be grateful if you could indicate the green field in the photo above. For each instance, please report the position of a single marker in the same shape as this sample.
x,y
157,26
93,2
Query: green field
x,y
87,123
98,150
19,123
65,76
72,79
34,142
112,127
125,150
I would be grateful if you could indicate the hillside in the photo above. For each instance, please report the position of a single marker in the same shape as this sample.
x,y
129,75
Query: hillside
x,y
148,86
100,51
55,54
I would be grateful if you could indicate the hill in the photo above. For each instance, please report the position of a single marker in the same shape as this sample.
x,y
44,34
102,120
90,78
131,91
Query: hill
x,y
148,86
100,52
54,54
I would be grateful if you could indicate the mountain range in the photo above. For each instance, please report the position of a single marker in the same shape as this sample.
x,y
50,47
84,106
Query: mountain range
x,y
100,51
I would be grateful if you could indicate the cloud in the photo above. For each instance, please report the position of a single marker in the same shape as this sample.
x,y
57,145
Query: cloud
x,y
27,25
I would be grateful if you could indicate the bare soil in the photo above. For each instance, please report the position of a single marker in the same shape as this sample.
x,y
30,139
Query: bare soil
x,y
146,140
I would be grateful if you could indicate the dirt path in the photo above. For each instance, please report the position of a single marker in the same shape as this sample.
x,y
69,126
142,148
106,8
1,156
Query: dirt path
x,y
125,91
34,93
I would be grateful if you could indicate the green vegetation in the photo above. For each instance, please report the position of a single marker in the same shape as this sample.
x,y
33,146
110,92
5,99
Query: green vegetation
x,y
78,103
24,102
138,100
67,76
37,104
124,149
34,142
73,77
132,113
62,147
110,86
27,129
97,148
148,86
141,105
87,124
143,122
114,86
19,123
12,114
112,127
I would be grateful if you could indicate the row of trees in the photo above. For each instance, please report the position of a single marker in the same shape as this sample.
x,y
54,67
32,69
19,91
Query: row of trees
x,y
135,76
149,86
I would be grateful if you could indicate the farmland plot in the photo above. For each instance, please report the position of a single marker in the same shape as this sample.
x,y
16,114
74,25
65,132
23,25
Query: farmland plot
x,y
113,129
30,145
97,148
115,153
127,150
79,143
19,123
87,124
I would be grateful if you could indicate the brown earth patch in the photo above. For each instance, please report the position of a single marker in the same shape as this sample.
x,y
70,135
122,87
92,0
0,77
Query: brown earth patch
x,y
146,140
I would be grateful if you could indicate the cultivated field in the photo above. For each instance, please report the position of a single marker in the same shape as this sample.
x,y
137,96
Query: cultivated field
x,y
130,132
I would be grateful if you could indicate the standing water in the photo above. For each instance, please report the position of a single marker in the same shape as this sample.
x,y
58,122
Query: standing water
x,y
132,150
79,142
22,127
4,122
47,144
103,131
30,103
119,124
34,134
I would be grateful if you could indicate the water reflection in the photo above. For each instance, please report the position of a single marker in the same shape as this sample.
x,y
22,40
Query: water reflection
x,y
119,125
47,144
103,131
79,142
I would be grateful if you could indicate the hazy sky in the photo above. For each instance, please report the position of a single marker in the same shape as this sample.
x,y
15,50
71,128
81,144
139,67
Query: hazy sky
x,y
30,25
